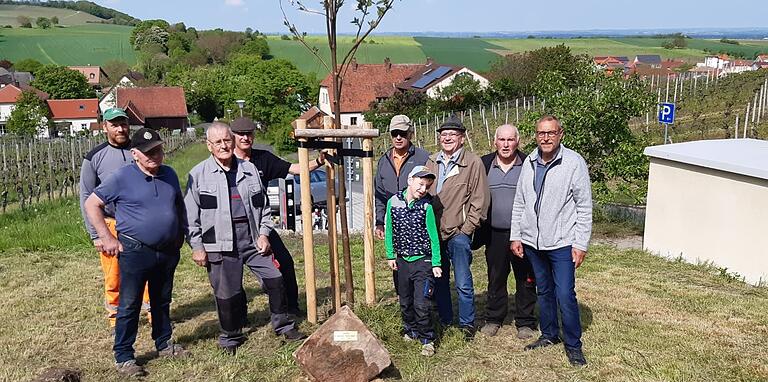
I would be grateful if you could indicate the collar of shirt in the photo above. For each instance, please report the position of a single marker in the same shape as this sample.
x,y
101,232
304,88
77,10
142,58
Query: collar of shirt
x,y
516,162
541,162
454,158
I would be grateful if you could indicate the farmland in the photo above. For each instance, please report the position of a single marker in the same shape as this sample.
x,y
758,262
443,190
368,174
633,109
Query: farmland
x,y
9,12
92,44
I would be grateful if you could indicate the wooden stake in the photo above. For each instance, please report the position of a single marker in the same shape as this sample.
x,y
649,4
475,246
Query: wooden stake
x,y
333,238
746,121
306,229
368,254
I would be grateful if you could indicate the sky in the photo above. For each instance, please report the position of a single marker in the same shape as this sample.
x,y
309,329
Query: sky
x,y
461,15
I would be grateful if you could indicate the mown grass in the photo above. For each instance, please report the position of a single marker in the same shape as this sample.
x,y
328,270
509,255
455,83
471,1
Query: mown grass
x,y
645,318
9,12
600,47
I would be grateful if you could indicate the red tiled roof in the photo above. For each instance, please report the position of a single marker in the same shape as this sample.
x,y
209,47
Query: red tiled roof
x,y
134,114
74,108
10,93
154,102
671,64
364,83
742,63
92,73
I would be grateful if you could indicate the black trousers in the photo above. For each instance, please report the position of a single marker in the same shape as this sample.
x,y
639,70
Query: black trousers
x,y
414,280
287,269
499,257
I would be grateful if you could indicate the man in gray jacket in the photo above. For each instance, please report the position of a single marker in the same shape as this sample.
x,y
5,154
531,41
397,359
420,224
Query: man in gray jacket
x,y
551,225
229,226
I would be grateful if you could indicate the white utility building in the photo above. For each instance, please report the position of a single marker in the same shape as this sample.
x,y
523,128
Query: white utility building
x,y
708,202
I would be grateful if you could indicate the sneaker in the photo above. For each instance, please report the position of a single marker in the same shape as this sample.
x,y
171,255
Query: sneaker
x,y
294,335
525,332
408,338
576,357
490,329
428,349
542,342
129,368
469,332
173,351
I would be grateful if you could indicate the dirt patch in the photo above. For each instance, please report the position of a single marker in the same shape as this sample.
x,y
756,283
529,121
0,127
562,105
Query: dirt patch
x,y
626,242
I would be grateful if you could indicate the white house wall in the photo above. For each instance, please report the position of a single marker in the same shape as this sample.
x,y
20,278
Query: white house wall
x,y
324,100
76,125
5,111
707,215
434,89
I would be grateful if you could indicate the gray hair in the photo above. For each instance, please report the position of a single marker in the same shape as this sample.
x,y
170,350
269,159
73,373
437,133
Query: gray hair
x,y
218,126
549,118
506,126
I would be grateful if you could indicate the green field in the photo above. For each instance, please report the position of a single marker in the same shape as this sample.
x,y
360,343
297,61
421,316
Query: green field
x,y
91,44
601,47
9,12
749,48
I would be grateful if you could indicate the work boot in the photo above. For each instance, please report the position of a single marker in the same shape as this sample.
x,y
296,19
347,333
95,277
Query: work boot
x,y
173,351
490,329
525,333
576,357
294,335
129,368
229,350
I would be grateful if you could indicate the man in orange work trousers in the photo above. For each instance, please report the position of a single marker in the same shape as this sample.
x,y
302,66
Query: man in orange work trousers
x,y
97,166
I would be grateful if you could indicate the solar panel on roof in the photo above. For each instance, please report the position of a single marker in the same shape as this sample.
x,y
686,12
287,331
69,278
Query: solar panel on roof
x,y
431,76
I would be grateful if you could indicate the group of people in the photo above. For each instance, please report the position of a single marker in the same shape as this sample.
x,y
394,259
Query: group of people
x,y
138,218
532,213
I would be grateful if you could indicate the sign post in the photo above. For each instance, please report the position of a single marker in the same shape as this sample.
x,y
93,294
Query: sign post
x,y
667,117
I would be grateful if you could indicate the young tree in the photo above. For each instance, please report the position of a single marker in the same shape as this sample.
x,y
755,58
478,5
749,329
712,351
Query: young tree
x,y
29,117
55,20
61,82
43,22
24,21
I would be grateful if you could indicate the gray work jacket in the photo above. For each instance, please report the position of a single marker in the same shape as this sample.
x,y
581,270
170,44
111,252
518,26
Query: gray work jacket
x,y
208,205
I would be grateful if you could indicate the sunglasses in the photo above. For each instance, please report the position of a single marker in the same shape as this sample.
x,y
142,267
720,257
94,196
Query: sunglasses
x,y
399,133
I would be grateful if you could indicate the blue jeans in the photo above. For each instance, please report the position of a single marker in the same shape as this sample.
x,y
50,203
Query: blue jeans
x,y
456,250
555,284
140,264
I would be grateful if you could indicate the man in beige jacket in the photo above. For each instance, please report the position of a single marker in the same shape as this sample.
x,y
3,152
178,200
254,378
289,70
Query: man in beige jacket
x,y
460,204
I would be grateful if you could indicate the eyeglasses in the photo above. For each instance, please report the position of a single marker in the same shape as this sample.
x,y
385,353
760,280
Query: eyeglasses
x,y
446,134
398,133
549,134
221,143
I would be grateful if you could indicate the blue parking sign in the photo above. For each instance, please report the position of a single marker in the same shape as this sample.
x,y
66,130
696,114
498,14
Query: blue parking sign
x,y
667,113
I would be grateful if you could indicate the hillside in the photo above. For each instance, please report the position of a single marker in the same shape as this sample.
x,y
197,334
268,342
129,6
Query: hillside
x,y
92,44
9,12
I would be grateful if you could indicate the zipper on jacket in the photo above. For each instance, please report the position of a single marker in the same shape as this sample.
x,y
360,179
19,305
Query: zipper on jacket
x,y
541,192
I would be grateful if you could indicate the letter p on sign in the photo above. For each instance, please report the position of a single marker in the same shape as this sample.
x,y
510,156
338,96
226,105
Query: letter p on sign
x,y
667,113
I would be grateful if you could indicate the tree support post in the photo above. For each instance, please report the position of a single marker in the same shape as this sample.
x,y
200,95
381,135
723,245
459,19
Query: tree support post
x,y
306,224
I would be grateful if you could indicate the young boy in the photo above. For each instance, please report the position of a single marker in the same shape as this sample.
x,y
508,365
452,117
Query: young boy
x,y
413,250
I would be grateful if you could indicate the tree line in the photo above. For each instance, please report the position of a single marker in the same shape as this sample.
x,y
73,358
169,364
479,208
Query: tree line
x,y
110,15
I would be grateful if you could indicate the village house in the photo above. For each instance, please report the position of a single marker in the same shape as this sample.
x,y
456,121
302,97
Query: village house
x,y
612,64
368,83
738,66
128,80
74,116
155,107
96,77
652,60
9,94
14,78
718,62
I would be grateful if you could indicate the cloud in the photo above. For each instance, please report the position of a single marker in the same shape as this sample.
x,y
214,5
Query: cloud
x,y
234,3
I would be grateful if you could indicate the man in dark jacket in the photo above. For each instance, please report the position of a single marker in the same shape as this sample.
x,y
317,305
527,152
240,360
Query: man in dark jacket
x,y
394,166
503,167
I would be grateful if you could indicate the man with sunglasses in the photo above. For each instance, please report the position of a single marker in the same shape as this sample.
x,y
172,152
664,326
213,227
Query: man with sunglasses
x,y
394,166
551,225
272,167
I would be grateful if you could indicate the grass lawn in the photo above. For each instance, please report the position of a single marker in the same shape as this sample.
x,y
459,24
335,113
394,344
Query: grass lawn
x,y
645,318
91,44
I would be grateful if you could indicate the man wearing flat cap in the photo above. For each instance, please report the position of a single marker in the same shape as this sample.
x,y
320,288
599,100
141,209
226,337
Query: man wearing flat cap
x,y
151,225
461,203
272,167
